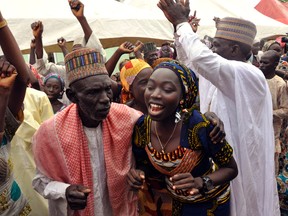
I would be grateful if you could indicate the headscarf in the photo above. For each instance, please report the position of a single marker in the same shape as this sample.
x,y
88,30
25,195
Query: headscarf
x,y
127,75
188,81
268,44
160,60
56,76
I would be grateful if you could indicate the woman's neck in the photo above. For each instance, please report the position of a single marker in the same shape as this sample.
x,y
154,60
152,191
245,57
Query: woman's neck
x,y
166,124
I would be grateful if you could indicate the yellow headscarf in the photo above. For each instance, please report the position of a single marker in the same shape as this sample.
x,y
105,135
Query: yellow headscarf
x,y
128,74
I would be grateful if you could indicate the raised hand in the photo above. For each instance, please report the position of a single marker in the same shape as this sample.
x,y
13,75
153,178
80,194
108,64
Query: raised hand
x,y
61,42
37,28
194,22
136,179
77,8
126,47
176,12
7,77
138,46
76,196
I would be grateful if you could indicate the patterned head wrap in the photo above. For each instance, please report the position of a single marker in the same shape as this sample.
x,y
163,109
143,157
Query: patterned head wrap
x,y
127,75
188,81
130,70
82,63
56,76
236,29
160,60
268,44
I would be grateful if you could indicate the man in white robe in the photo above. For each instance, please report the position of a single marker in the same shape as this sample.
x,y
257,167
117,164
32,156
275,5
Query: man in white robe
x,y
238,93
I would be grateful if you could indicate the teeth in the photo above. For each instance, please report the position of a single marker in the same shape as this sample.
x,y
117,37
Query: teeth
x,y
156,107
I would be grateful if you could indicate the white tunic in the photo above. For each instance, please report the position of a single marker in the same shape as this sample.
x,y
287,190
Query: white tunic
x,y
55,191
239,95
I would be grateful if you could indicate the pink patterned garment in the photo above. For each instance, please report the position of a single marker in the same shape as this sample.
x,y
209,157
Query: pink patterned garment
x,y
61,153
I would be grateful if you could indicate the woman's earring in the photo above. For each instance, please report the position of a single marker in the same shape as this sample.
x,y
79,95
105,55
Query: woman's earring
x,y
177,117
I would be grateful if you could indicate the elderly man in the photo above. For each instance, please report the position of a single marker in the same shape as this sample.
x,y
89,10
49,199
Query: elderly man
x,y
239,94
83,154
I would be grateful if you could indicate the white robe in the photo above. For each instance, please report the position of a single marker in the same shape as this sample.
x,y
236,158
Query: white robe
x,y
238,93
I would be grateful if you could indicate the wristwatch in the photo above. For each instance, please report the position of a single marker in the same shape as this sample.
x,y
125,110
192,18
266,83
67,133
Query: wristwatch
x,y
207,184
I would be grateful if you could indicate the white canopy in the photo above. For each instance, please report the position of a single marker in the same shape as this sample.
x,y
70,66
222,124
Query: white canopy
x,y
116,22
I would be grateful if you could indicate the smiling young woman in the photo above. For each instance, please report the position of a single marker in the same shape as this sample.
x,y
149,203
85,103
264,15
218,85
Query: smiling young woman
x,y
172,148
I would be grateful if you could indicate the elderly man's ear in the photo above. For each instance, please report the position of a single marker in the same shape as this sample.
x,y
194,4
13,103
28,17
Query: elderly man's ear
x,y
71,95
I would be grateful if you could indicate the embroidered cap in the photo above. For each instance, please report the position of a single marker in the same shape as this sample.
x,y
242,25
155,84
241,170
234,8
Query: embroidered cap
x,y
236,29
82,63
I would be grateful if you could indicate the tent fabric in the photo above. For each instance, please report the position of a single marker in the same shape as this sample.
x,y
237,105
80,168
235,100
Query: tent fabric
x,y
130,20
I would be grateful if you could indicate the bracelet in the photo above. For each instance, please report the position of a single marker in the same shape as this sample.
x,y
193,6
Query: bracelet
x,y
3,23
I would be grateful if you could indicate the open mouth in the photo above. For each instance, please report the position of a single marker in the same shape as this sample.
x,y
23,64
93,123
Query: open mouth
x,y
155,108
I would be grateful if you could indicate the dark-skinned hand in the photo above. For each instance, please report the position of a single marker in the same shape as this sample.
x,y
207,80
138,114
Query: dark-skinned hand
x,y
186,182
37,28
218,133
7,77
136,179
175,11
126,47
76,196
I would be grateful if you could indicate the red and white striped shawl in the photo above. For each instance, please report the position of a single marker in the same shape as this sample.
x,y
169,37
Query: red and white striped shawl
x,y
61,153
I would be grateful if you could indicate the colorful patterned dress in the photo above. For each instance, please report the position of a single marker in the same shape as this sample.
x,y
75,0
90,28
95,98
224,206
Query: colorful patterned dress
x,y
12,201
194,155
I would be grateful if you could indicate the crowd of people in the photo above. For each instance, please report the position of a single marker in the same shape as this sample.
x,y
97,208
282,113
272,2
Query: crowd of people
x,y
195,127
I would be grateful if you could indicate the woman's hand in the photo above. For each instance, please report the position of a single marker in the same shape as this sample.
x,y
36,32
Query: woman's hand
x,y
136,179
186,182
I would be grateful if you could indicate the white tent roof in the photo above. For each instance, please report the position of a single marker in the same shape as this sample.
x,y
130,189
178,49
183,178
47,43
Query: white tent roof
x,y
116,22
208,9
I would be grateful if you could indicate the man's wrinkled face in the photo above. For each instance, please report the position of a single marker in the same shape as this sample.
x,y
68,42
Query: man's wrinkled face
x,y
93,95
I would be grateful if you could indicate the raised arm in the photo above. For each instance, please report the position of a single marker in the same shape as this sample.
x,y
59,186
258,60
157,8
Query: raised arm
x,y
14,56
77,8
32,59
125,47
38,28
62,44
